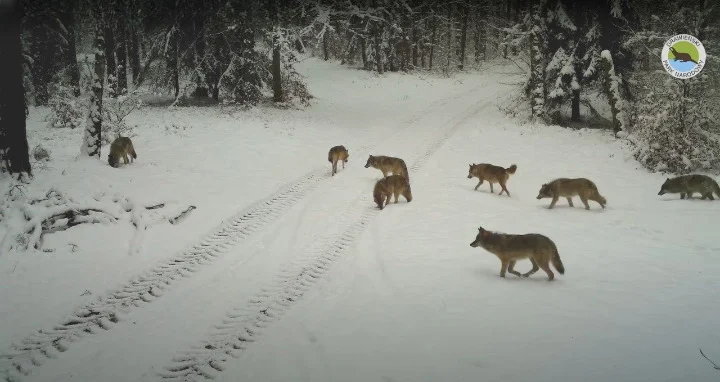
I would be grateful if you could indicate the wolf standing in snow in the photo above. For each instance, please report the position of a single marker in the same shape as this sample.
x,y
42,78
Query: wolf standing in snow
x,y
509,248
393,185
687,185
567,188
493,174
388,164
120,148
336,154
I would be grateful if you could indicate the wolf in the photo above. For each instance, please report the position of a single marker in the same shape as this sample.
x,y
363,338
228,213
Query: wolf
x,y
120,148
388,164
493,174
392,185
687,185
509,248
338,153
566,187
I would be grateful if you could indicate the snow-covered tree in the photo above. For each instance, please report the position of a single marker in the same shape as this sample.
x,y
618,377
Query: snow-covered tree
x,y
92,139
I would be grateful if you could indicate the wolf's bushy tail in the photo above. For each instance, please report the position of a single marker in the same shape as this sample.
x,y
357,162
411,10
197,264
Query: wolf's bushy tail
x,y
716,188
405,170
557,263
330,157
511,169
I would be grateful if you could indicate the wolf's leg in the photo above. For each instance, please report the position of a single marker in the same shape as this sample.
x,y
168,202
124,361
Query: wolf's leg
x,y
533,270
511,268
583,198
125,158
546,267
504,188
491,188
503,267
554,200
569,199
479,183
396,193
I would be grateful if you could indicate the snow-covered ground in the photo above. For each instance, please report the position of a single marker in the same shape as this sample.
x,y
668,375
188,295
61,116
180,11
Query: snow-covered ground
x,y
286,273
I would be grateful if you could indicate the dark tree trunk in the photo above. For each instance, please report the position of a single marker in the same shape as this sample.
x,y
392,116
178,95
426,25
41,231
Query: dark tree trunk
x,y
579,21
433,36
121,14
109,46
415,41
134,53
13,133
41,50
201,86
363,51
481,33
276,73
67,17
171,57
326,54
93,129
508,11
463,36
378,53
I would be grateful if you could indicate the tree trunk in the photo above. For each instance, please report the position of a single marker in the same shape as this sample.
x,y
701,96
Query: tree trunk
x,y
415,41
463,36
580,50
13,132
121,14
450,35
508,8
134,53
276,74
201,67
378,53
41,51
67,16
536,87
433,36
363,51
171,57
326,54
109,46
93,127
481,34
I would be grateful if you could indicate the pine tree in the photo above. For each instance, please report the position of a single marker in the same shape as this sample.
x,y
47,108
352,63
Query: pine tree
x,y
93,126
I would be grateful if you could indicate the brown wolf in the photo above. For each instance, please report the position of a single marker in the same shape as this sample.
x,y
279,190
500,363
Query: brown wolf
x,y
388,164
565,187
120,148
509,248
687,185
493,174
338,153
392,185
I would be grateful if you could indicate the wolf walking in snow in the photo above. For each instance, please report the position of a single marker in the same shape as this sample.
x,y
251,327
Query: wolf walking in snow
x,y
393,185
336,154
120,148
388,164
509,248
493,174
567,188
687,185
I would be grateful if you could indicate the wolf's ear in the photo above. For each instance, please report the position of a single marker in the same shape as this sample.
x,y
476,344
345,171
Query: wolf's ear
x,y
480,229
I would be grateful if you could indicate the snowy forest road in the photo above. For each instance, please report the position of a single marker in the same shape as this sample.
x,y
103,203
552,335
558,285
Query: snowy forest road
x,y
117,309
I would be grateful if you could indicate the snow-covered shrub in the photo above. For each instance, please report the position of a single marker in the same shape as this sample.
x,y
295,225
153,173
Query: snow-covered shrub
x,y
114,112
66,110
675,125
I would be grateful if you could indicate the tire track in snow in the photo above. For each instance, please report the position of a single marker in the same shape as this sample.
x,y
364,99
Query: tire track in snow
x,y
242,326
107,310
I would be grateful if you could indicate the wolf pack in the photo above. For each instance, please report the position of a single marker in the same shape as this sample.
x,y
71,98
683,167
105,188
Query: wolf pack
x,y
509,248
